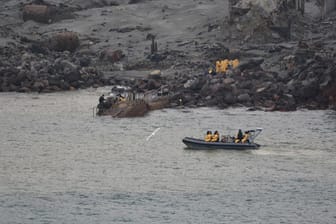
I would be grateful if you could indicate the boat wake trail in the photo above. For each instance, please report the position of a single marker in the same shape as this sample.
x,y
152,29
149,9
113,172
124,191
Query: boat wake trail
x,y
153,133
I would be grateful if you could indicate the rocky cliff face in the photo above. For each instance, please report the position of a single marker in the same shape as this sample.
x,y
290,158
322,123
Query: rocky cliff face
x,y
287,61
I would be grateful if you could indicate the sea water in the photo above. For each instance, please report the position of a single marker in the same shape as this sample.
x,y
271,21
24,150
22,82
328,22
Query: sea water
x,y
61,164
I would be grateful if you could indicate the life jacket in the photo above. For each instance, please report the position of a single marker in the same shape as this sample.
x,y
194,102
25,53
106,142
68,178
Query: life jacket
x,y
208,138
245,138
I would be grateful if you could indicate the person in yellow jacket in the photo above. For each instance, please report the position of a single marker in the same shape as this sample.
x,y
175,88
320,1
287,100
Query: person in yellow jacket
x,y
218,66
224,65
246,137
208,136
215,137
235,63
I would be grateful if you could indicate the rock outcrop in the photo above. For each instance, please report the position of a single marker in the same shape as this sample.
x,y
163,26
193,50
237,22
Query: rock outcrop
x,y
38,13
64,41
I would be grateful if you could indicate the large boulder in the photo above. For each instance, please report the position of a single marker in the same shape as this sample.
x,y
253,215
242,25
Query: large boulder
x,y
229,98
69,70
285,102
64,41
245,97
307,89
253,63
38,13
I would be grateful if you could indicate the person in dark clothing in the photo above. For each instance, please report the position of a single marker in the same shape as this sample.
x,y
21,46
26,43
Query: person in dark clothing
x,y
101,102
101,99
239,136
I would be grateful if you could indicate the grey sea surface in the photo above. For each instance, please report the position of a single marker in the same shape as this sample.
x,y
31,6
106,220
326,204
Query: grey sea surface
x,y
59,164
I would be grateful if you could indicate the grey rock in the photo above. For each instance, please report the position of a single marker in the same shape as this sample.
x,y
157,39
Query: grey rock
x,y
24,90
253,63
153,84
190,83
228,81
229,98
70,71
208,98
327,79
38,13
244,97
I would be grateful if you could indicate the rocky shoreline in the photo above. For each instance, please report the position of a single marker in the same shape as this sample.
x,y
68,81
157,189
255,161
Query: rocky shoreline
x,y
278,71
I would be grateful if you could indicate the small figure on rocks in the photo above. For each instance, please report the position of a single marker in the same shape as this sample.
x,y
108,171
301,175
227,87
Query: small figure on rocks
x,y
101,104
102,99
180,101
